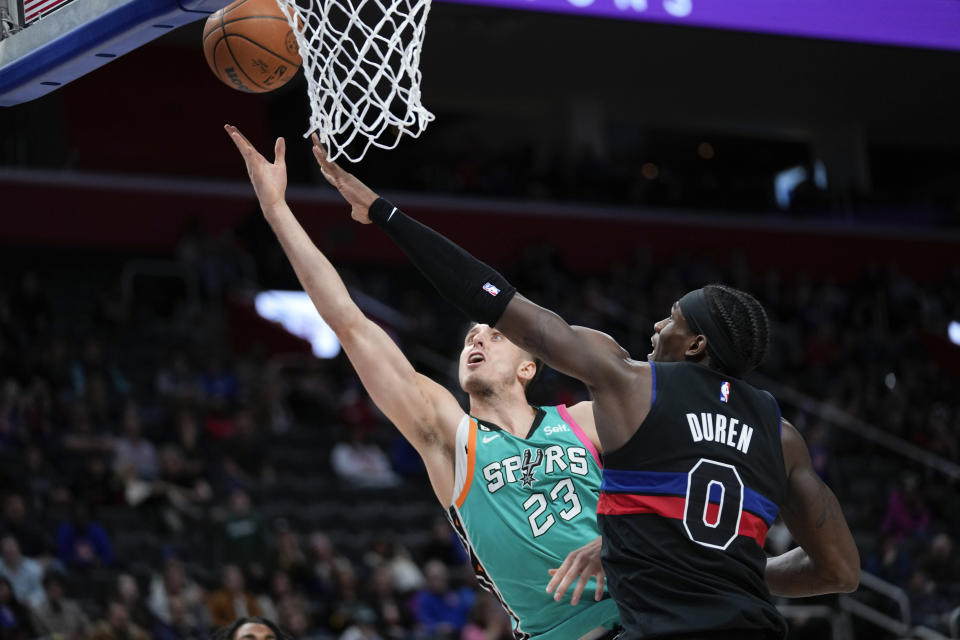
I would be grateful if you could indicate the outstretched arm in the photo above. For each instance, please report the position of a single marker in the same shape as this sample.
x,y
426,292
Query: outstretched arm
x,y
826,560
424,411
479,291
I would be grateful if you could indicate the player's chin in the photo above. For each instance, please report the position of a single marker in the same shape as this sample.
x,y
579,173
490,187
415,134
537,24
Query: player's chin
x,y
474,382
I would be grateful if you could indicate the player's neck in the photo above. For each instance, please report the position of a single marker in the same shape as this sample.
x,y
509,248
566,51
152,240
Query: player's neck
x,y
509,411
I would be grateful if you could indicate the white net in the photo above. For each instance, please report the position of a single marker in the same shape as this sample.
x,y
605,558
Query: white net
x,y
361,59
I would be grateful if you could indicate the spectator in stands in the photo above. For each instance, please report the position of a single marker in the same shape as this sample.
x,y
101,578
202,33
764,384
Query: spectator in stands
x,y
444,545
244,539
36,411
271,409
363,626
185,495
942,564
304,627
190,441
232,600
348,598
218,383
244,449
93,369
907,515
32,538
942,440
325,564
284,600
95,484
177,381
15,620
83,543
394,615
24,574
289,556
487,621
362,463
175,584
440,610
890,562
132,449
41,483
117,625
180,625
127,593
12,428
82,437
405,573
57,615
926,607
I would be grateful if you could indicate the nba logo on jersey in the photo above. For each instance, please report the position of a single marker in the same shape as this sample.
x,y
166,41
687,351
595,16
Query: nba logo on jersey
x,y
489,288
725,391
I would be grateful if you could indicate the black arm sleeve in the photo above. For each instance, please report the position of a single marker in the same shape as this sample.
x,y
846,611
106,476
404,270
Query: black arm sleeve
x,y
475,288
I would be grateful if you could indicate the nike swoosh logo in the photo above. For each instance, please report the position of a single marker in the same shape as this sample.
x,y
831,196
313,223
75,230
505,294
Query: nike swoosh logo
x,y
487,439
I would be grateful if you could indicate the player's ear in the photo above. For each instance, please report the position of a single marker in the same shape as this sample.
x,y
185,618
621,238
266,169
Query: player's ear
x,y
697,347
526,371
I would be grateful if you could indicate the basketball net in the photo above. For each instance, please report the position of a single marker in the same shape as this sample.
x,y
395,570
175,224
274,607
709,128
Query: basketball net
x,y
362,63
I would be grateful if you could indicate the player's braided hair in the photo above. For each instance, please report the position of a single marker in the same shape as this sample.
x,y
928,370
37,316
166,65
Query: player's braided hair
x,y
743,319
228,632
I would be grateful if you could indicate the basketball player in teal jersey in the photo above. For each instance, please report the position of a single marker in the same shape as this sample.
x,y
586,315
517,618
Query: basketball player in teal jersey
x,y
520,483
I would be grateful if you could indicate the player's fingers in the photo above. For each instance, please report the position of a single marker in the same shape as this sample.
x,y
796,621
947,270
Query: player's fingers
x,y
241,140
569,575
330,170
558,574
563,586
601,581
318,154
279,151
236,139
327,176
578,590
318,151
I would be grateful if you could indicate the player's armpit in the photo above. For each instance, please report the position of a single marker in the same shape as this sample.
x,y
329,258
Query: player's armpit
x,y
425,412
591,356
827,560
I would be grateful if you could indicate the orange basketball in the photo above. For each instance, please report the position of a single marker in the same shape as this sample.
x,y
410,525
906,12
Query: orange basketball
x,y
249,45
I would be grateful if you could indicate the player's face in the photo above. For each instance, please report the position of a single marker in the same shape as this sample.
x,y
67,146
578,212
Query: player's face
x,y
671,338
488,360
254,631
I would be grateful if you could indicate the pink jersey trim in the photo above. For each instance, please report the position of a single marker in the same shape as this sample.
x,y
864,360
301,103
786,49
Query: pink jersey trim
x,y
577,431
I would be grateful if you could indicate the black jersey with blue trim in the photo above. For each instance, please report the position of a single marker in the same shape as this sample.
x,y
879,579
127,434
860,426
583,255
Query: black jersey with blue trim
x,y
685,506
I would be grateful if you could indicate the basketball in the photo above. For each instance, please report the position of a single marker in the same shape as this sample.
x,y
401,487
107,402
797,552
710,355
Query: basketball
x,y
250,46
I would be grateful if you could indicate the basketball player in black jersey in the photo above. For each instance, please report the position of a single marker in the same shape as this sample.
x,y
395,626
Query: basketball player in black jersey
x,y
698,463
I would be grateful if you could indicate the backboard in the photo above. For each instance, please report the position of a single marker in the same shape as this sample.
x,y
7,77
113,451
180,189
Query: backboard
x,y
45,44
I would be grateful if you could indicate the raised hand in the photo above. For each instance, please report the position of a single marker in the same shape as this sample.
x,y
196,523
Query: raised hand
x,y
269,179
359,195
580,565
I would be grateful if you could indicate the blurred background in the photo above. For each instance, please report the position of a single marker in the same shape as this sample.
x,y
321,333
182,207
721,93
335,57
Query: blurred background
x,y
171,456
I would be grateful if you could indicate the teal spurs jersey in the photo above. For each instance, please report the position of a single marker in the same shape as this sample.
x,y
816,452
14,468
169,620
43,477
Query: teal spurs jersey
x,y
520,506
